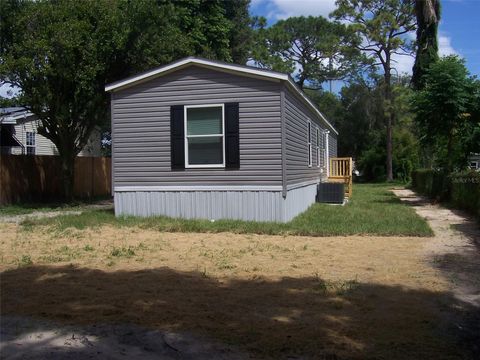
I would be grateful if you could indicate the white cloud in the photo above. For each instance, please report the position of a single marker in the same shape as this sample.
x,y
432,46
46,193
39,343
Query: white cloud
x,y
403,64
282,9
445,45
8,91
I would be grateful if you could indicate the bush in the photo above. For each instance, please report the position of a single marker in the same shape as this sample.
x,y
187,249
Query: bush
x,y
461,189
465,191
432,183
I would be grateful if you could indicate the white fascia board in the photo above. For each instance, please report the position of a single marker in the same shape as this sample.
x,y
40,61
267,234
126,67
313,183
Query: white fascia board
x,y
8,120
194,61
13,119
309,103
24,115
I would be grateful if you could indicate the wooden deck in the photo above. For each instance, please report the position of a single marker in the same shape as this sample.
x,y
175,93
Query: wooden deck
x,y
341,171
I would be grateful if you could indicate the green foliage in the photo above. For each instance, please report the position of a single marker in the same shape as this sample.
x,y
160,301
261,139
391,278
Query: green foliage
x,y
372,210
329,104
320,48
9,102
361,116
371,161
380,22
405,153
59,56
461,189
25,260
382,25
428,18
126,252
431,182
360,123
465,191
446,112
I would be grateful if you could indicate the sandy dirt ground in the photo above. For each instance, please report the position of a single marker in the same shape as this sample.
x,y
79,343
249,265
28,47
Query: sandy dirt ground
x,y
134,293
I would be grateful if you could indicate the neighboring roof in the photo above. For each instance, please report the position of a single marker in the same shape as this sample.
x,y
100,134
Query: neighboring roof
x,y
240,69
10,115
10,110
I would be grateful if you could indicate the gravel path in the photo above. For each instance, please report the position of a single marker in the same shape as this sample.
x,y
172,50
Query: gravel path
x,y
455,250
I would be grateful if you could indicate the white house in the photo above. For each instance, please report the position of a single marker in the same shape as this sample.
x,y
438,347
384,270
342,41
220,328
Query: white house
x,y
19,135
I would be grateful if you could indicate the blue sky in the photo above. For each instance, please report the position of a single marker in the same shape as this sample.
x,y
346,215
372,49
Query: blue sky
x,y
459,31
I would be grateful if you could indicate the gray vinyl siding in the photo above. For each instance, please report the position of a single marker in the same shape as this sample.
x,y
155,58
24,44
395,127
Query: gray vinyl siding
x,y
332,144
141,128
297,115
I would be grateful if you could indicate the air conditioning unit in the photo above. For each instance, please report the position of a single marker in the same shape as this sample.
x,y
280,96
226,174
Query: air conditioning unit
x,y
332,193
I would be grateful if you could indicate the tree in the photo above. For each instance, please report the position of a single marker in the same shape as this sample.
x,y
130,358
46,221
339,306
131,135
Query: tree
x,y
361,115
62,53
58,56
446,112
428,17
383,25
241,34
318,48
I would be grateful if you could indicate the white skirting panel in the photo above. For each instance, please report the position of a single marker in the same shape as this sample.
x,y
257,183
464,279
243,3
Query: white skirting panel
x,y
298,200
240,205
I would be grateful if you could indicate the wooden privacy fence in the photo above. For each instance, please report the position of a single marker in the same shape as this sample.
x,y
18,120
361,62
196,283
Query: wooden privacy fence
x,y
26,178
341,171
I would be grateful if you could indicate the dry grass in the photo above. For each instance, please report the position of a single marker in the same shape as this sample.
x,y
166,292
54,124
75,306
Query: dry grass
x,y
275,296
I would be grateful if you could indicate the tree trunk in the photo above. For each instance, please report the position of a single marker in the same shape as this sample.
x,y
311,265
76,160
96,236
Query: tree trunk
x,y
389,122
67,159
301,82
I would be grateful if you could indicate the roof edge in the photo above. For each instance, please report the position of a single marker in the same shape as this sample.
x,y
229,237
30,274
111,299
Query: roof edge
x,y
309,103
130,81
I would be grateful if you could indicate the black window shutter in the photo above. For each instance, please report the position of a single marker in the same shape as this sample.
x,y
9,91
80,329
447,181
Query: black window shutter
x,y
177,141
232,138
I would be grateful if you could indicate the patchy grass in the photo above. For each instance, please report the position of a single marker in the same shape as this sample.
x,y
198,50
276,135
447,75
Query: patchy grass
x,y
22,209
28,208
372,210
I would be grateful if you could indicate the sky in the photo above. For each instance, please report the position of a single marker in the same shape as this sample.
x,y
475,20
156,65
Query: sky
x,y
459,30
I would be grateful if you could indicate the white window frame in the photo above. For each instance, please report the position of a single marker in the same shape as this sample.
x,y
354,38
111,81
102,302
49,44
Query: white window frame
x,y
309,143
34,146
186,136
317,133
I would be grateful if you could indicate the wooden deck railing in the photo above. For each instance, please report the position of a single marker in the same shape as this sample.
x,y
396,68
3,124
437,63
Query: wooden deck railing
x,y
341,171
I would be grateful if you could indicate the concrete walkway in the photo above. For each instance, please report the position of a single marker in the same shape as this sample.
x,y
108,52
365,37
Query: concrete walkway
x,y
455,251
455,248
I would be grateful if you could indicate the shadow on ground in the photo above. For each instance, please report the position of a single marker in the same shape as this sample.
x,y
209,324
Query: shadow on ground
x,y
290,317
